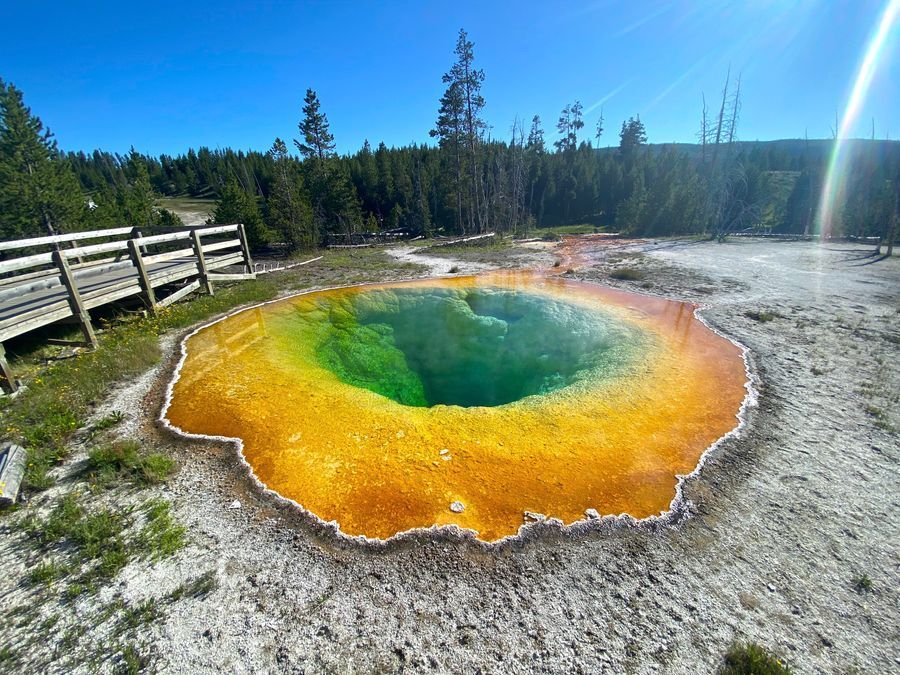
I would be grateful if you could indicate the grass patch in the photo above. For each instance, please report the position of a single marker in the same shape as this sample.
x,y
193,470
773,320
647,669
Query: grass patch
x,y
752,659
161,536
132,661
627,274
125,460
99,543
108,422
57,402
135,616
762,316
879,416
198,588
7,655
47,572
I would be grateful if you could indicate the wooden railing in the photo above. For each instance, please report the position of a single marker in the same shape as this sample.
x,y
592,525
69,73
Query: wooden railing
x,y
30,284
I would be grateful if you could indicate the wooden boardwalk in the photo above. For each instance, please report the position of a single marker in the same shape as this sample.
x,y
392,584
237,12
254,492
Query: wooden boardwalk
x,y
65,283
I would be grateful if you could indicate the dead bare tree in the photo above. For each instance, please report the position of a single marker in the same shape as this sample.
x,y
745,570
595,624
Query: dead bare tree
x,y
725,178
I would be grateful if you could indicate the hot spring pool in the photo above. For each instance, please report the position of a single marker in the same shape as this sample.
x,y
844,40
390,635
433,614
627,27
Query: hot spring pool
x,y
465,401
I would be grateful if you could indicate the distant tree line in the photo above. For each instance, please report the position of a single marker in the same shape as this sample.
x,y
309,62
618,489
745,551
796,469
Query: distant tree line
x,y
471,181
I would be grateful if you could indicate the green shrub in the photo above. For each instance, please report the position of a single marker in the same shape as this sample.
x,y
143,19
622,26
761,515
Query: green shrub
x,y
126,460
47,572
752,659
862,583
762,316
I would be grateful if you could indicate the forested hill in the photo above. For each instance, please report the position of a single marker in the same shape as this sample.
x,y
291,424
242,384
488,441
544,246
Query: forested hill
x,y
654,189
788,154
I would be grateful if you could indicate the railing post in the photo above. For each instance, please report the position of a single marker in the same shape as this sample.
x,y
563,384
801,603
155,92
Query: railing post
x,y
8,380
75,302
136,234
143,278
74,244
245,249
202,272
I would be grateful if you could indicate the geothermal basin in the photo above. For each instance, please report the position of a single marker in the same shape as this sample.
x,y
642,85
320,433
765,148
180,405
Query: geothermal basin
x,y
479,402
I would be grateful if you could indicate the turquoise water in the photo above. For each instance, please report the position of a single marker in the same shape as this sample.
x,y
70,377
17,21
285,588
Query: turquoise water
x,y
469,347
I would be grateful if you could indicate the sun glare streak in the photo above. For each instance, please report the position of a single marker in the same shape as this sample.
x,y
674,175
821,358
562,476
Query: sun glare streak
x,y
646,19
702,61
833,186
591,108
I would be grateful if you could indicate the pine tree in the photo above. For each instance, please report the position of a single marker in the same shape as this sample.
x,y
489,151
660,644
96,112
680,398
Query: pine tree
x,y
570,122
449,131
288,211
631,138
460,129
39,193
137,199
334,202
235,205
317,143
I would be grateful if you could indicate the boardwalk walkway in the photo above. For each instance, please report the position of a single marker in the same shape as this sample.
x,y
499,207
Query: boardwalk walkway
x,y
41,288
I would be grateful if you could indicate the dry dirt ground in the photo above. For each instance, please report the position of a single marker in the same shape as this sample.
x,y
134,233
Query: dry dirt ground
x,y
783,518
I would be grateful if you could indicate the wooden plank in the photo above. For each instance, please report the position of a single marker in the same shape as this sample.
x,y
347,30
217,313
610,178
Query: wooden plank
x,y
224,261
201,263
230,277
12,471
36,312
218,246
171,255
7,379
220,229
97,248
60,238
26,262
123,292
179,294
160,238
173,274
78,308
53,272
91,296
245,249
143,279
42,319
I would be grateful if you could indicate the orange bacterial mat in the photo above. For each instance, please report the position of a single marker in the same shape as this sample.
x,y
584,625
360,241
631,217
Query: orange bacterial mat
x,y
466,401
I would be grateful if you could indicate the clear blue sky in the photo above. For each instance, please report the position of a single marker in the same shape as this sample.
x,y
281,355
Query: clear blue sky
x,y
165,77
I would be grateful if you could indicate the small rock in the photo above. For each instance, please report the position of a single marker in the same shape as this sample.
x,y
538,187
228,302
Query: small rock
x,y
593,514
457,507
536,517
771,588
445,451
236,504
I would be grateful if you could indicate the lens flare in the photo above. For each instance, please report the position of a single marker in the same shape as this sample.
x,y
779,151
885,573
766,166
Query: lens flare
x,y
833,188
